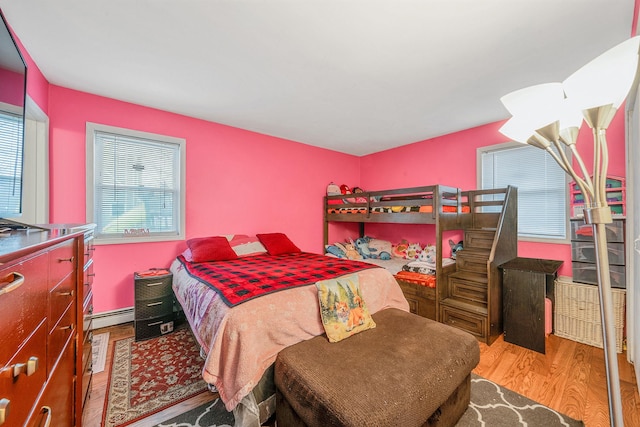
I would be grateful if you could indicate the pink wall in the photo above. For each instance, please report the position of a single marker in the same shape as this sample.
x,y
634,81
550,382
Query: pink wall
x,y
451,160
237,182
37,84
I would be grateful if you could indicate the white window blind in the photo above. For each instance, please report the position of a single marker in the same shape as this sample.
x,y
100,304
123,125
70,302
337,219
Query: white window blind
x,y
542,187
137,187
10,164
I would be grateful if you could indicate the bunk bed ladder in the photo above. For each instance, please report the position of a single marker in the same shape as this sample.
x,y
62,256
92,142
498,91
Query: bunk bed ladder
x,y
472,299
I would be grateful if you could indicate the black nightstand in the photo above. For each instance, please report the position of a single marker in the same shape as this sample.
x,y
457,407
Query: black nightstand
x,y
154,305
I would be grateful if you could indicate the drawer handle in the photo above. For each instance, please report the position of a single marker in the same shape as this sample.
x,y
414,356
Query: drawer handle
x,y
154,323
13,281
91,274
152,304
28,368
47,422
154,284
4,410
66,293
68,327
66,259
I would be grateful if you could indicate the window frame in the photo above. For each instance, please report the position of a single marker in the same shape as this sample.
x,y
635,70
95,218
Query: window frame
x,y
91,129
567,215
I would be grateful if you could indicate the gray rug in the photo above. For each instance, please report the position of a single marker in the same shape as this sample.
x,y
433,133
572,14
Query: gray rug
x,y
491,405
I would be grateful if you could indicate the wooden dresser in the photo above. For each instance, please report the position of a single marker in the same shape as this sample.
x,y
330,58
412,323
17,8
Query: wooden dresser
x,y
41,342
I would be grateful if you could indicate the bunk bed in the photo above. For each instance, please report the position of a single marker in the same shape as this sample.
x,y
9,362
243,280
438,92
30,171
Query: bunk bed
x,y
468,293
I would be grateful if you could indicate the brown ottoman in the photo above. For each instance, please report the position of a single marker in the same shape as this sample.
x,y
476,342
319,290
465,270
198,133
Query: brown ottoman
x,y
408,371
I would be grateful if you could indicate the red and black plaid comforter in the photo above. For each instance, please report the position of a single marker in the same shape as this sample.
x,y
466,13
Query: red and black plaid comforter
x,y
245,278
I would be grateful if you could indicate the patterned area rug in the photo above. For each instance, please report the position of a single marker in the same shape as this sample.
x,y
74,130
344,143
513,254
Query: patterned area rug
x,y
99,352
491,405
149,376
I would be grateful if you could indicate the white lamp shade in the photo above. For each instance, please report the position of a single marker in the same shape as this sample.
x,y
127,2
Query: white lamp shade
x,y
517,129
532,99
606,79
570,115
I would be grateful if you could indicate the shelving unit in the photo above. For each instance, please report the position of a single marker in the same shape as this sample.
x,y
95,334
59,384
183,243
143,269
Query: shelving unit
x,y
616,197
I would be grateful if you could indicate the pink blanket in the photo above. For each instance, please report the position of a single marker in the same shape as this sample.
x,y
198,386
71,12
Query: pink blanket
x,y
243,341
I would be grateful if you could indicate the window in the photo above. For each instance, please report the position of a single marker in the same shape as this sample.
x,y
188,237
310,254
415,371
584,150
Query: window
x,y
135,185
11,163
542,187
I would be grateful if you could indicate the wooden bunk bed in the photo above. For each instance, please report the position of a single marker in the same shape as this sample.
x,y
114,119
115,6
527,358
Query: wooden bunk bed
x,y
468,293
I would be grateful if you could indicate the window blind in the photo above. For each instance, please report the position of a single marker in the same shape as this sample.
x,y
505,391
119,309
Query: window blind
x,y
11,128
542,186
137,186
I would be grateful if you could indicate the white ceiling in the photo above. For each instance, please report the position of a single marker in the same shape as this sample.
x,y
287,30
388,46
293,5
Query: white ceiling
x,y
355,76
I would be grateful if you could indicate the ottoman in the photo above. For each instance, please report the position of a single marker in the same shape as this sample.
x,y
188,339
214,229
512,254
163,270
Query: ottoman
x,y
407,371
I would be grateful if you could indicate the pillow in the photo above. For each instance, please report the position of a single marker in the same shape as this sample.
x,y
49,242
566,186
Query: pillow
x,y
244,245
215,248
343,311
277,243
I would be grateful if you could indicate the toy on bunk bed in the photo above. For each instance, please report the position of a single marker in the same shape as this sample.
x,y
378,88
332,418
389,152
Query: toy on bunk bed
x,y
366,250
347,250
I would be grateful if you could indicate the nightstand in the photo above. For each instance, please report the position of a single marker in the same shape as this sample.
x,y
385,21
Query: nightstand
x,y
154,302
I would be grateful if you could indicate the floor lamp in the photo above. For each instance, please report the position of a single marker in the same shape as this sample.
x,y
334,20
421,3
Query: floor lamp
x,y
548,116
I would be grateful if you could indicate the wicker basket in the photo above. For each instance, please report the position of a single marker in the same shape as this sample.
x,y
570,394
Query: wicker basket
x,y
577,313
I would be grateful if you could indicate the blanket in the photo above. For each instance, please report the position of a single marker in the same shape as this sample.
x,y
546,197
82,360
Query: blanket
x,y
241,342
242,279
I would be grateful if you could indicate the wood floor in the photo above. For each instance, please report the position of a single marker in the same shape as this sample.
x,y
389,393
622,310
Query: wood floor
x,y
569,378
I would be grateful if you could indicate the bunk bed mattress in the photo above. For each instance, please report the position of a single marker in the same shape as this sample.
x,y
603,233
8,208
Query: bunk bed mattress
x,y
241,342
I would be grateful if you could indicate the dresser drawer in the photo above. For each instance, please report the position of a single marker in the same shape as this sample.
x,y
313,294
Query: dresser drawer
x,y
582,231
87,279
23,390
149,328
60,298
89,247
59,335
24,307
152,287
147,308
61,262
474,324
87,314
586,252
586,273
58,396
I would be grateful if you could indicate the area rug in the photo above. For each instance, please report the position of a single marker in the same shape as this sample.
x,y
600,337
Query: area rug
x,y
149,376
99,345
491,406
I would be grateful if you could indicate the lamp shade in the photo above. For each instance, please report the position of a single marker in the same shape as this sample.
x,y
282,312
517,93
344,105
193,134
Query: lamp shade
x,y
605,80
517,129
532,99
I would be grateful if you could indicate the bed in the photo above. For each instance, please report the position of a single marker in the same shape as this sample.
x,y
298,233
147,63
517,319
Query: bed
x,y
241,335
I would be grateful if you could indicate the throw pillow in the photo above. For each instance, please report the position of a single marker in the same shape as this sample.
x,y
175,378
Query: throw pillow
x,y
244,245
215,248
277,243
343,311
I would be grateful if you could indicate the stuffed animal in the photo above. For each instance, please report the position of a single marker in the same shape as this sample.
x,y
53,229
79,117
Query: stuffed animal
x,y
349,250
336,251
334,190
413,251
366,250
400,250
428,255
381,248
455,248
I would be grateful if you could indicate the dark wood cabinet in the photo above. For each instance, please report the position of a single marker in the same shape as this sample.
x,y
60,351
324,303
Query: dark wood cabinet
x,y
526,284
40,346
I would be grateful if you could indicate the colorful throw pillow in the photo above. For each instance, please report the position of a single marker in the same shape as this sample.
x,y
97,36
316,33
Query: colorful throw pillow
x,y
277,243
343,311
244,245
215,248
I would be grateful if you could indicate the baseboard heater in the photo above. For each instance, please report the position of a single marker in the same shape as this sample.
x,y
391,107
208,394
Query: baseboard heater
x,y
113,317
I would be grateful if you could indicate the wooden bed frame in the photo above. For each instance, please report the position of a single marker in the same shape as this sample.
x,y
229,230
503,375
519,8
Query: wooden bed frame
x,y
474,212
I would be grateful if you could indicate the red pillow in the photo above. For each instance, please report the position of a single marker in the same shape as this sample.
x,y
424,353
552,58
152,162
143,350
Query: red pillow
x,y
277,243
216,248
